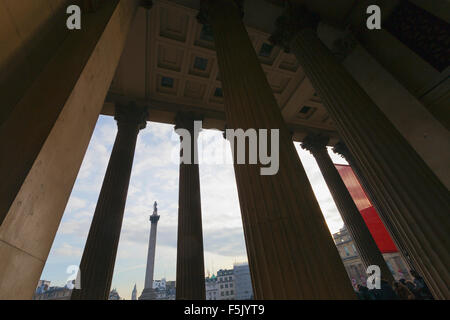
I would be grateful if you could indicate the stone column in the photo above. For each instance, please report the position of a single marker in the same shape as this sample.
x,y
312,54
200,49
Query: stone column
x,y
99,256
147,292
418,202
45,137
190,262
151,251
364,242
290,250
341,148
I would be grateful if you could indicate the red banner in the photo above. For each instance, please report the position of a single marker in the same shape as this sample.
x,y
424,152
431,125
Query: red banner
x,y
368,212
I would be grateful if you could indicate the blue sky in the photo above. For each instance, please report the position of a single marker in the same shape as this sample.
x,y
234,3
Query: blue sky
x,y
155,178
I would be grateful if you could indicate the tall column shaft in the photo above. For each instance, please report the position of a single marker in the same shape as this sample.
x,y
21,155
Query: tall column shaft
x,y
190,261
418,202
364,242
290,250
341,149
44,139
148,292
151,256
99,256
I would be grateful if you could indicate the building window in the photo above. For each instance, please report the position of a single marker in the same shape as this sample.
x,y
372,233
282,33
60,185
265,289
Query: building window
x,y
347,253
222,293
266,50
200,63
167,82
207,33
218,92
221,286
305,110
231,292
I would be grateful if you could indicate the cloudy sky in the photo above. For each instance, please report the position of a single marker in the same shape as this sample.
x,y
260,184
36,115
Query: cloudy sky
x,y
155,178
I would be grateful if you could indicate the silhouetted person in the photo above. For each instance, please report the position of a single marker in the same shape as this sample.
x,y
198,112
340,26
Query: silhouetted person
x,y
363,293
408,284
385,292
402,291
421,290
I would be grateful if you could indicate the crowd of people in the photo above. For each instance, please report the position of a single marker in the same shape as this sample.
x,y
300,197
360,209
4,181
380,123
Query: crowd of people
x,y
400,290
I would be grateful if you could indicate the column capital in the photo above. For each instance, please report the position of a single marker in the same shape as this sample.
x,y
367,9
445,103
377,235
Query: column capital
x,y
315,142
204,16
131,114
185,120
341,149
293,19
154,219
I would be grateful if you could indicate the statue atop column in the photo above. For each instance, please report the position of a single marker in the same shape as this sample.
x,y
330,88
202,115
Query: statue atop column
x,y
154,218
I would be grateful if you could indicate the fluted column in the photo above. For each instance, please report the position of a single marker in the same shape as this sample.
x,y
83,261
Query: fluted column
x,y
418,202
190,262
290,250
341,148
99,256
45,136
364,242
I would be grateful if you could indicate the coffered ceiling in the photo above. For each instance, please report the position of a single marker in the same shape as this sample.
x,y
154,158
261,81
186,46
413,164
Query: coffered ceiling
x,y
170,64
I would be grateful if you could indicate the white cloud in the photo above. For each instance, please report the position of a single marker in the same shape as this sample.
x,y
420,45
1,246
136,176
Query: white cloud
x,y
75,204
67,250
320,188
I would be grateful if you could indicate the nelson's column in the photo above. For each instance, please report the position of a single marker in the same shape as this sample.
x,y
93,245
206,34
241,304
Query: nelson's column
x,y
148,293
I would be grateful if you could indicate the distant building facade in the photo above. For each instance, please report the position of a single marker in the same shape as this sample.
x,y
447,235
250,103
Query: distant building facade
x,y
54,293
242,282
43,285
45,292
163,289
353,264
114,295
225,282
159,284
170,290
212,288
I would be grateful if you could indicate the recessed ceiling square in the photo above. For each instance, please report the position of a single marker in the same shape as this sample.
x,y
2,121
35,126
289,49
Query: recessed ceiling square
x,y
174,24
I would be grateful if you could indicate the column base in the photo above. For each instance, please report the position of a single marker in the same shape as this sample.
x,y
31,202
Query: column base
x,y
148,294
